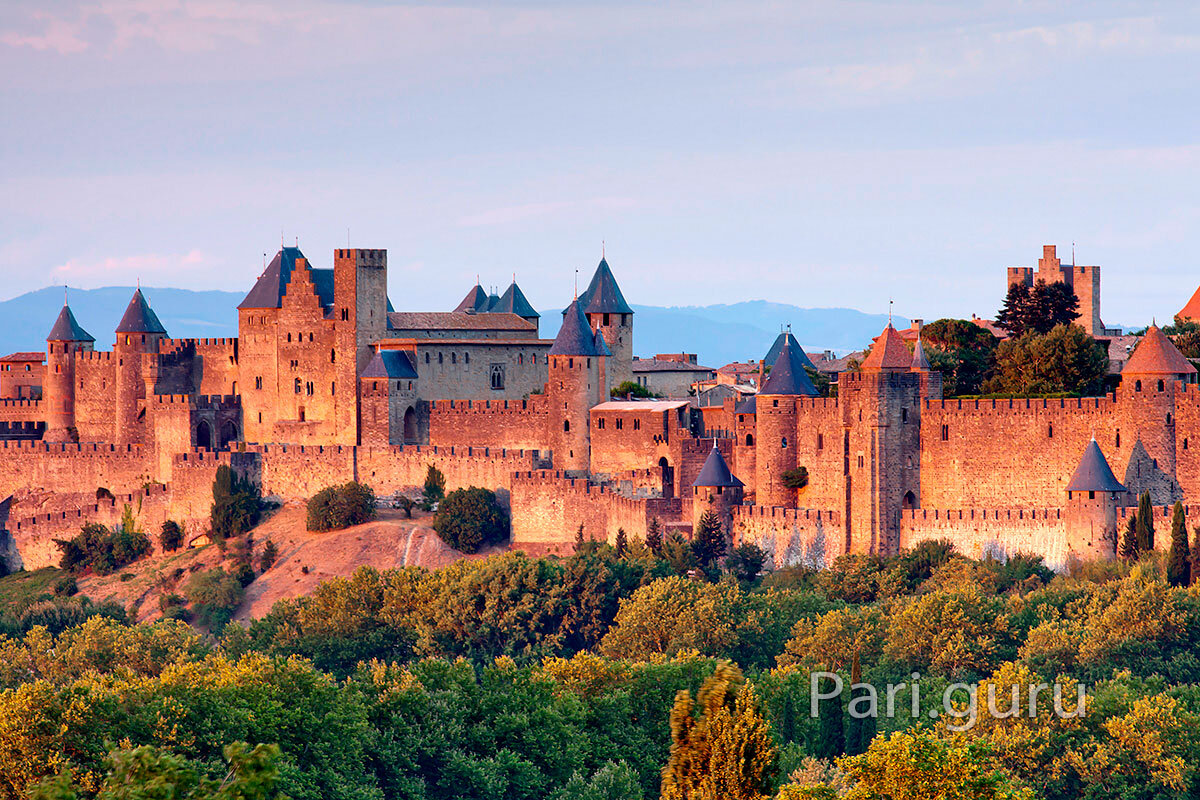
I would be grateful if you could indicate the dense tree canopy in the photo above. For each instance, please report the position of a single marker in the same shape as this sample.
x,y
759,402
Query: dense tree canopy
x,y
1064,361
1037,310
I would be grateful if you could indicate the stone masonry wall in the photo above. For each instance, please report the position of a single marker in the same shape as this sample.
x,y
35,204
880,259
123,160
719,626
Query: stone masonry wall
x,y
505,423
790,536
996,532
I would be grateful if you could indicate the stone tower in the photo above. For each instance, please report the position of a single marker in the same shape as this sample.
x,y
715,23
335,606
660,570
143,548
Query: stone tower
x,y
387,400
66,339
1091,519
776,426
138,335
1084,281
880,415
573,387
609,314
715,489
1150,381
360,320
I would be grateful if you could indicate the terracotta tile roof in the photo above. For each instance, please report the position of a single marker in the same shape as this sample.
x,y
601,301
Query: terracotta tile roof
x,y
25,356
1157,355
888,354
1191,311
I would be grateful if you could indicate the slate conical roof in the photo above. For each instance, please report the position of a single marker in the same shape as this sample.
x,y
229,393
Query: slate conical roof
x,y
268,290
575,336
1093,473
1157,355
139,317
602,295
389,364
476,300
66,329
715,471
601,345
513,301
888,353
786,336
787,376
919,362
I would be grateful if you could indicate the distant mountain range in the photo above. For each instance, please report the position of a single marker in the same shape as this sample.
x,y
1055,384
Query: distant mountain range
x,y
718,334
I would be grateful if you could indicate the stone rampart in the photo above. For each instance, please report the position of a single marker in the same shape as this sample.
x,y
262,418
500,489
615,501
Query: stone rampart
x,y
791,536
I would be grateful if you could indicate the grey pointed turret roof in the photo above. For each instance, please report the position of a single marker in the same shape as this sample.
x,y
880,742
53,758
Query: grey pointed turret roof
x,y
747,406
787,375
777,346
1093,473
601,345
476,300
715,471
139,317
66,329
575,337
513,301
389,364
602,295
270,287
493,302
919,362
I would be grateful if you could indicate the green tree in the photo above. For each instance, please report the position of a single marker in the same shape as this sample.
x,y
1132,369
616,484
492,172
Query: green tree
x,y
631,389
860,729
622,542
745,562
435,487
268,557
721,746
170,538
1195,554
654,537
1064,361
1129,539
1014,315
214,594
830,741
1039,310
1179,559
795,478
469,519
962,351
709,540
236,506
337,507
677,551
1145,524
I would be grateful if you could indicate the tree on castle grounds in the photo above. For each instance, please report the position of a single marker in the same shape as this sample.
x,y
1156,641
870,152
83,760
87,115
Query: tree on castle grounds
x,y
170,538
677,551
469,519
337,507
1145,524
236,504
1064,361
268,557
745,562
622,542
1037,310
654,538
708,542
1194,554
1129,542
434,489
721,745
1179,567
579,538
962,351
631,389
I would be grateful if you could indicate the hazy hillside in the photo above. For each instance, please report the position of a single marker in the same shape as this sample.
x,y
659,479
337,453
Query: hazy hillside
x,y
718,333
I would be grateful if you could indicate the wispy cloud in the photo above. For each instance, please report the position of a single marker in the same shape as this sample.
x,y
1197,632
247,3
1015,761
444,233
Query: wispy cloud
x,y
144,266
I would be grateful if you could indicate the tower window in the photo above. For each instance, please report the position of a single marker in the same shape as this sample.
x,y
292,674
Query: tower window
x,y
1091,494
1118,438
945,433
497,376
600,423
820,441
1050,431
289,337
566,426
749,439
332,355
904,415
427,358
1161,386
783,443
258,382
454,358
297,386
441,359
345,315
1137,386
860,462
637,424
606,320
466,358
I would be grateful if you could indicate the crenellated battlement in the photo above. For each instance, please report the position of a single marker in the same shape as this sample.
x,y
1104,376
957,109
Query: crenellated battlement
x,y
784,515
464,407
1017,406
982,514
95,357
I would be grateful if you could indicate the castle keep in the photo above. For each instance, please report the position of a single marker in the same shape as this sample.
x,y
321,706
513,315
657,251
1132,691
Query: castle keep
x,y
327,383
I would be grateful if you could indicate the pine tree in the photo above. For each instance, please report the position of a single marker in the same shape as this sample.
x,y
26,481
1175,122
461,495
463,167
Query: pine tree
x,y
1145,524
654,536
709,539
622,542
1179,567
726,751
1129,542
1014,315
579,537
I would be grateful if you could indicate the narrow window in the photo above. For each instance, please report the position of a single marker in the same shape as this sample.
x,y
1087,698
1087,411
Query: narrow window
x,y
637,424
783,443
904,415
454,358
427,358
566,426
1118,438
332,356
606,320
441,359
749,439
297,386
945,433
258,382
1161,386
1137,386
1050,431
860,462
332,387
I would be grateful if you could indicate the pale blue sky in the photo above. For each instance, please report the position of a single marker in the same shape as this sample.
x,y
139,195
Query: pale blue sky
x,y
822,154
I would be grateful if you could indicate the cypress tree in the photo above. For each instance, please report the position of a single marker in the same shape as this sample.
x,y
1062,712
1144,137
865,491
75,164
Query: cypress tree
x,y
859,731
831,738
623,542
1129,541
1179,568
1195,554
1145,524
654,536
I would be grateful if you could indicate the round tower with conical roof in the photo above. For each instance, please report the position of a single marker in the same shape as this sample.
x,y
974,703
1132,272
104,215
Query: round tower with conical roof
x,y
65,340
715,489
609,315
138,336
574,385
776,426
1092,498
1150,380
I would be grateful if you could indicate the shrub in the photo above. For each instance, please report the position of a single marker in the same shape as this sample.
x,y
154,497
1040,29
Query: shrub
x,y
407,504
796,478
236,504
103,493
746,561
101,550
244,574
469,519
269,555
214,594
631,389
171,536
174,606
434,489
337,507
65,586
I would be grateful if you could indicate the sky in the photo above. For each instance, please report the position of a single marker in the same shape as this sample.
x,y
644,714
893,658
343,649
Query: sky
x,y
820,154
